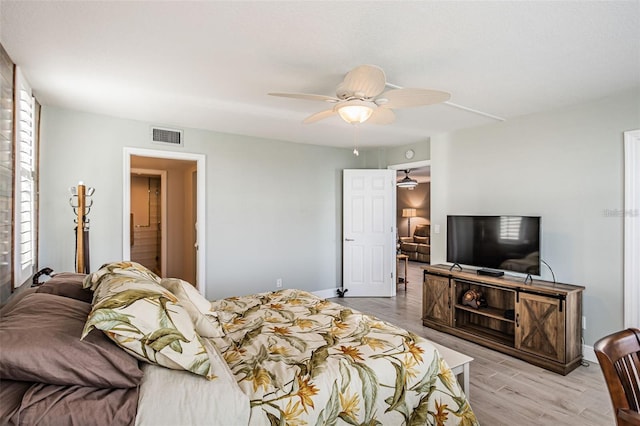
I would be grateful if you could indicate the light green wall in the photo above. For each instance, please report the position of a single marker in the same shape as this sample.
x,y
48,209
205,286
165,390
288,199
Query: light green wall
x,y
273,208
380,158
422,151
564,165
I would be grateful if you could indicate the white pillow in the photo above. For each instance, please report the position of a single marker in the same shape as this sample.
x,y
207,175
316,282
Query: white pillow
x,y
204,320
203,305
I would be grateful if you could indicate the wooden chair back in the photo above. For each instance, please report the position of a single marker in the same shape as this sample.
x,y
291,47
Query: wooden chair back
x,y
619,358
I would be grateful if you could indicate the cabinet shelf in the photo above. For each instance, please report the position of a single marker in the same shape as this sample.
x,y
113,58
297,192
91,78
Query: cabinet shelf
x,y
487,333
490,312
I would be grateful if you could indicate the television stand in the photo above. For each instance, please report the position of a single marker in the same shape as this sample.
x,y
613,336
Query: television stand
x,y
490,272
539,322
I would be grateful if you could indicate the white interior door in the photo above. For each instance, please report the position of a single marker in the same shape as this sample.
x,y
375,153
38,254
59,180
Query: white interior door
x,y
368,247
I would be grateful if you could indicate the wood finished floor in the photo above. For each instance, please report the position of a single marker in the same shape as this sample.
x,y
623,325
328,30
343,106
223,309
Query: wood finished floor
x,y
504,390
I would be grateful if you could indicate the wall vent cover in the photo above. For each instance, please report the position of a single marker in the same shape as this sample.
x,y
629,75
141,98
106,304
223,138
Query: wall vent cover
x,y
166,136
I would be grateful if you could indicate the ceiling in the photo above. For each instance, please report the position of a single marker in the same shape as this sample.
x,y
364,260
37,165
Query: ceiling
x,y
210,64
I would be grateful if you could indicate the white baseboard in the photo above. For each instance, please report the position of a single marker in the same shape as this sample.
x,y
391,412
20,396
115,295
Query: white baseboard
x,y
588,354
326,294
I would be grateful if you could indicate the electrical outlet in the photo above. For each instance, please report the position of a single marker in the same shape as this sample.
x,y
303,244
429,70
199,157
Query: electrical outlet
x,y
584,323
279,282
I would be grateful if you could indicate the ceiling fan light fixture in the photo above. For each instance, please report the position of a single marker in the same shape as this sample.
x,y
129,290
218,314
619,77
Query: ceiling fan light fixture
x,y
407,182
355,111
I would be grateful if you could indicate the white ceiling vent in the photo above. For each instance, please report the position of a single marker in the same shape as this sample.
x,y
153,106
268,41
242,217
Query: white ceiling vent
x,y
166,136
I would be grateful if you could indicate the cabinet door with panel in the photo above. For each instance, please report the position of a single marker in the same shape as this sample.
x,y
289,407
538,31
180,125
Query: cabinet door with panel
x,y
540,326
436,300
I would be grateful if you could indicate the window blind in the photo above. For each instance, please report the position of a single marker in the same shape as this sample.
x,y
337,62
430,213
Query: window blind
x,y
25,190
7,168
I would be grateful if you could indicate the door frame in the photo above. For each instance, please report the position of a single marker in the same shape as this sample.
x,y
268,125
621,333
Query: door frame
x,y
163,213
413,165
631,228
200,160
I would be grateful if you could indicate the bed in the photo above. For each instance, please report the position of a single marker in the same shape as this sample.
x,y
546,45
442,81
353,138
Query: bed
x,y
154,352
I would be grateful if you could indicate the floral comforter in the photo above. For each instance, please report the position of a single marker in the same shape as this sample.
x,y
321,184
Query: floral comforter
x,y
306,361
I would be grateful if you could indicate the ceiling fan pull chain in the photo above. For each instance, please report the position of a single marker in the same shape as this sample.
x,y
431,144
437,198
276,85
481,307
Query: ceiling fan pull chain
x,y
355,139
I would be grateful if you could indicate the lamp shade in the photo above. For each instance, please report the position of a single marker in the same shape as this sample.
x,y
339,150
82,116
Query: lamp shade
x,y
408,212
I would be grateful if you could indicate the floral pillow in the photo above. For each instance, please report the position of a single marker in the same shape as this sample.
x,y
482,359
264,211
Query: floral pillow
x,y
147,321
125,270
204,319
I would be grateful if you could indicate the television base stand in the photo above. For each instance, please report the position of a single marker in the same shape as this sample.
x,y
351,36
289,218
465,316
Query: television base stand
x,y
490,272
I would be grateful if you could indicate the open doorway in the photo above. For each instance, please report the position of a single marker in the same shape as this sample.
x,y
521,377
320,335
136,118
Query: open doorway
x,y
175,182
147,223
161,221
413,210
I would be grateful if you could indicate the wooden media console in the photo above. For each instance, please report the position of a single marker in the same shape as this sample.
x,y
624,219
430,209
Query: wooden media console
x,y
538,322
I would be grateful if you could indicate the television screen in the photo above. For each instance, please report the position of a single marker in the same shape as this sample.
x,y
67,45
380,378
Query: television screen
x,y
509,243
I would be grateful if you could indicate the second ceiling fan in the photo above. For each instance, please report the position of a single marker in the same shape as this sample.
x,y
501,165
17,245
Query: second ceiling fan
x,y
361,97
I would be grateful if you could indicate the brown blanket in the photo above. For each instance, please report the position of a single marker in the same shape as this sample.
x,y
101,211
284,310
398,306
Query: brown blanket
x,y
23,403
48,376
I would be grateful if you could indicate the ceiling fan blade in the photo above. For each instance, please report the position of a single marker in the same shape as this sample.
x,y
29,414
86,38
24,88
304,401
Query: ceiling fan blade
x,y
364,81
319,116
404,98
382,116
306,96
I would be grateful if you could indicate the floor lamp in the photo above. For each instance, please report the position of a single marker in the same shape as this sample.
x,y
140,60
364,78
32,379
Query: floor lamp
x,y
408,213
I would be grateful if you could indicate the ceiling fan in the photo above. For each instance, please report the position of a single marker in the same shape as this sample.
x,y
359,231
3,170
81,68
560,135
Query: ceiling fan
x,y
360,98
407,182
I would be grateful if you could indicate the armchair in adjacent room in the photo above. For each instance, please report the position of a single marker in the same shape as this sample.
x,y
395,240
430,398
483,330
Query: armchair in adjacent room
x,y
417,247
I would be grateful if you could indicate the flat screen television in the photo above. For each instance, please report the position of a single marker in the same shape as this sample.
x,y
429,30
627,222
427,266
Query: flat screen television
x,y
507,243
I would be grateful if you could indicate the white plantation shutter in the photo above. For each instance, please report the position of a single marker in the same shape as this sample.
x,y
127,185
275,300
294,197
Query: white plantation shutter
x,y
25,190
